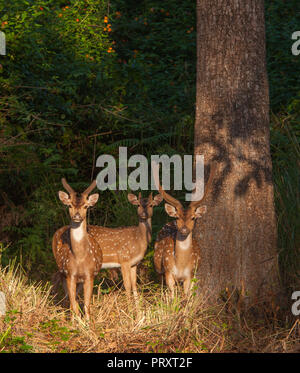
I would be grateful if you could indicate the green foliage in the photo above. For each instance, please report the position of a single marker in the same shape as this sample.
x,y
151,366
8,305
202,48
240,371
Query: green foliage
x,y
157,54
9,342
56,333
57,63
282,19
82,78
285,148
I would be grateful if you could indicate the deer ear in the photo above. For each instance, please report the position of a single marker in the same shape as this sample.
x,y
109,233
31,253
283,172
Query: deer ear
x,y
157,199
200,211
92,200
133,199
64,197
171,210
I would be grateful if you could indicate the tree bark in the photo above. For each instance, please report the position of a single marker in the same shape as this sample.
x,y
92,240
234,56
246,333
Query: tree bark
x,y
237,235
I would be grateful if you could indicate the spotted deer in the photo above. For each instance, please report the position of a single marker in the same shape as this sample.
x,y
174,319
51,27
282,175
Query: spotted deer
x,y
77,254
176,253
125,247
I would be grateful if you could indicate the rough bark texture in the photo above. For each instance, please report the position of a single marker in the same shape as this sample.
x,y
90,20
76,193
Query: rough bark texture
x,y
237,235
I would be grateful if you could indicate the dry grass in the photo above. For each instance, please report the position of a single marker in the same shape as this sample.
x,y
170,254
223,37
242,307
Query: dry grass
x,y
33,323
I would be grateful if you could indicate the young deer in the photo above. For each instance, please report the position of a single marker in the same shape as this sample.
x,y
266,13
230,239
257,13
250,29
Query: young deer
x,y
175,252
125,247
77,253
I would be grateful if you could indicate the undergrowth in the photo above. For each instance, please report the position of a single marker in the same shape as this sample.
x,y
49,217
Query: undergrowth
x,y
34,323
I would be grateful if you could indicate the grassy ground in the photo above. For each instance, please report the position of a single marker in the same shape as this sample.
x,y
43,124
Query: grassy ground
x,y
34,323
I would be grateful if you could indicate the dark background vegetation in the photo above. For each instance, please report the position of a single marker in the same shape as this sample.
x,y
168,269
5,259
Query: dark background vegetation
x,y
75,85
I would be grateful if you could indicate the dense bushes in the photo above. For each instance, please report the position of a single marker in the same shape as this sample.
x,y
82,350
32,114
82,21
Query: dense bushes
x,y
82,78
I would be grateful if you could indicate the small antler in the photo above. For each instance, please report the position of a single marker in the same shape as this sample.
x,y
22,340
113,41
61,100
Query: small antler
x,y
169,199
90,188
67,186
194,204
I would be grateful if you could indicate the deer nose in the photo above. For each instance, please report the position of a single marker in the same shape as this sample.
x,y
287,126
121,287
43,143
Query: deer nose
x,y
184,230
143,215
77,216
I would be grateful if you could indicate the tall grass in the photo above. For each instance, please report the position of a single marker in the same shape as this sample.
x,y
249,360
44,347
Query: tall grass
x,y
157,324
285,148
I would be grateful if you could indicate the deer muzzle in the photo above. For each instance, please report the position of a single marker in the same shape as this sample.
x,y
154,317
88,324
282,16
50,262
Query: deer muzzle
x,y
77,218
144,215
184,231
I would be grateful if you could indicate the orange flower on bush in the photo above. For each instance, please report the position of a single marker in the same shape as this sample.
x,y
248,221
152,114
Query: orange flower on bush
x,y
118,14
105,19
60,15
77,20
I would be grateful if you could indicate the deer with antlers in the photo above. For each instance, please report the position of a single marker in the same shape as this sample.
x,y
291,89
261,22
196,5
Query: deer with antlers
x,y
77,254
176,254
125,247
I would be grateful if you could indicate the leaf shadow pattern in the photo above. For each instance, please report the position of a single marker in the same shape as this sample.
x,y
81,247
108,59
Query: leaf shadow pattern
x,y
237,135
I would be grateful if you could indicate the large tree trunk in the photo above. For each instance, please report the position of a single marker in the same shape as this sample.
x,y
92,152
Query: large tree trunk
x,y
238,233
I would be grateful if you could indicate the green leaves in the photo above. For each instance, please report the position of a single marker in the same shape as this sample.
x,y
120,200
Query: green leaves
x,y
82,78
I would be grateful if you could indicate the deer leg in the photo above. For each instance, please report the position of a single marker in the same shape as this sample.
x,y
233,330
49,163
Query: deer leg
x,y
170,282
88,291
71,285
78,289
65,287
125,269
187,285
113,274
133,280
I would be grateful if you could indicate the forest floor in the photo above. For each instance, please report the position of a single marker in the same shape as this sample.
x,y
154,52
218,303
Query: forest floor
x,y
34,323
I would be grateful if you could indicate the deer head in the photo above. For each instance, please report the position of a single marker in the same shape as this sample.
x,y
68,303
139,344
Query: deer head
x,y
185,218
78,204
145,205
